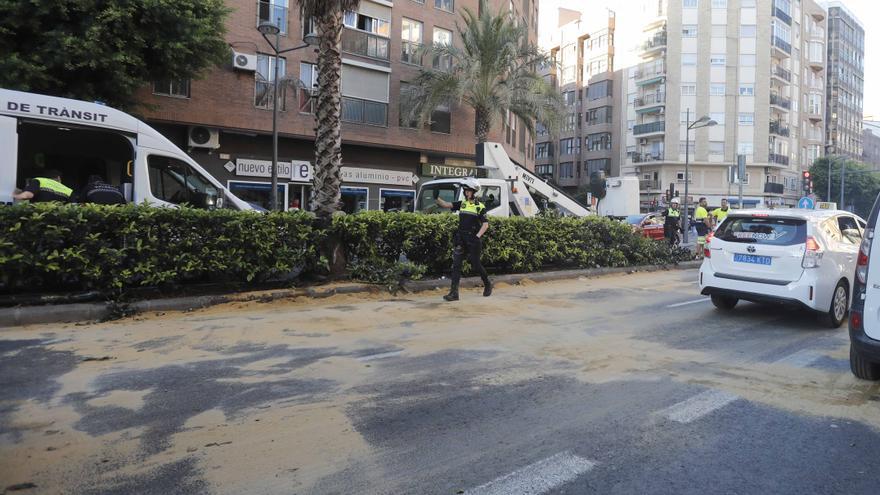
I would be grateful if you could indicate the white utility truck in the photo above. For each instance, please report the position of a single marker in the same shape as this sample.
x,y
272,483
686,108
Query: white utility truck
x,y
621,197
80,139
511,190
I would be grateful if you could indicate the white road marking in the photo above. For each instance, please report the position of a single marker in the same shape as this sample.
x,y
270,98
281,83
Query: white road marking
x,y
537,478
698,406
800,359
381,355
695,301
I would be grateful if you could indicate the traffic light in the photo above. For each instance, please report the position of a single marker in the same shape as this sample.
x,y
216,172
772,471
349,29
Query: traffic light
x,y
807,182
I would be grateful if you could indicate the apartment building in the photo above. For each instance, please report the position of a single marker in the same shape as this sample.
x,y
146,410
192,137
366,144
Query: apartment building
x,y
583,51
871,144
845,83
757,68
224,119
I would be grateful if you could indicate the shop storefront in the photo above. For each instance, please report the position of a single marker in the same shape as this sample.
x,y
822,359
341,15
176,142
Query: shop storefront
x,y
377,189
250,184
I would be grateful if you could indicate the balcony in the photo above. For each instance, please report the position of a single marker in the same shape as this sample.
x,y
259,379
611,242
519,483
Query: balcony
x,y
649,185
782,46
816,63
650,73
816,33
780,73
773,188
778,159
646,157
650,103
367,112
656,43
779,129
274,13
780,101
365,44
781,14
814,113
649,128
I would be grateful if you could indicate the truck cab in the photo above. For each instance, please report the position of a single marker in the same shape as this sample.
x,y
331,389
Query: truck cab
x,y
81,139
493,193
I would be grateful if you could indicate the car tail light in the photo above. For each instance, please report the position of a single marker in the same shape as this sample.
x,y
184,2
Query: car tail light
x,y
864,253
855,320
707,253
813,253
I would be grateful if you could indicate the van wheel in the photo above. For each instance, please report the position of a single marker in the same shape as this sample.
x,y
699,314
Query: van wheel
x,y
861,367
836,314
724,303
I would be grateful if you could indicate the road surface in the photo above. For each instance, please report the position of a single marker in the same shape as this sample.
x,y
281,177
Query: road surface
x,y
624,384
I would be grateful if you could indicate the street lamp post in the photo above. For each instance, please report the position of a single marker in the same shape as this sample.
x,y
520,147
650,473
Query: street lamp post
x,y
703,121
267,28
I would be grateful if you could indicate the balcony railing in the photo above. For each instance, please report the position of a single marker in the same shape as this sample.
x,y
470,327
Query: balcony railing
x,y
271,12
779,129
649,128
774,188
782,44
367,112
781,73
778,159
650,70
646,157
647,185
780,101
650,99
411,53
365,44
656,41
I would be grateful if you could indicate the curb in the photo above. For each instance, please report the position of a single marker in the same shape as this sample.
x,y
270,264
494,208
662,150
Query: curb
x,y
66,313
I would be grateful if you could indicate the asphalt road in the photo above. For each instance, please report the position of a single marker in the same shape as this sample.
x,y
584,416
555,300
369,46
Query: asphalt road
x,y
625,384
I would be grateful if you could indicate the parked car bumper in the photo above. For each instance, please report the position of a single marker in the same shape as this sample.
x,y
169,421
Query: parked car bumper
x,y
864,345
796,293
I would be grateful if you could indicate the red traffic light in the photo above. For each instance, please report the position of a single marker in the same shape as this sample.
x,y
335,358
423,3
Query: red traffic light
x,y
806,175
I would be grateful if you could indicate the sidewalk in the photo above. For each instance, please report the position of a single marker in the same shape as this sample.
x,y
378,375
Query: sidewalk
x,y
63,313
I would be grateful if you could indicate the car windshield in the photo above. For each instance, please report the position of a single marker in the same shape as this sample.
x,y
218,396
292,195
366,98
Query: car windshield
x,y
763,230
634,219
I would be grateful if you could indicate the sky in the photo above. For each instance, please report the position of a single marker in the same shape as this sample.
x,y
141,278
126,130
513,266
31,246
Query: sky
x,y
627,35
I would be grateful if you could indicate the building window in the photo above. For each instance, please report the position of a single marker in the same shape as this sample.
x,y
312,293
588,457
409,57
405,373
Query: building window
x,y
716,89
717,117
274,11
308,78
566,170
265,78
569,146
411,36
603,164
716,147
407,94
308,25
441,120
719,4
599,141
570,123
178,88
679,176
601,115
397,200
354,199
442,37
689,4
747,119
544,170
718,60
747,90
258,193
543,150
447,5
688,59
691,147
689,31
745,148
356,20
748,31
688,89
601,89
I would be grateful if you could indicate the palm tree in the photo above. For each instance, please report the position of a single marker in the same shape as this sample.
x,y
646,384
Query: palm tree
x,y
494,71
327,16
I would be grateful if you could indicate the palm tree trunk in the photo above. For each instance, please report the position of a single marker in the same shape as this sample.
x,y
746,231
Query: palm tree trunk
x,y
483,125
328,109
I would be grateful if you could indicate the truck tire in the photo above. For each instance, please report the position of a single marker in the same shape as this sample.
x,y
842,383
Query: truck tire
x,y
724,303
861,367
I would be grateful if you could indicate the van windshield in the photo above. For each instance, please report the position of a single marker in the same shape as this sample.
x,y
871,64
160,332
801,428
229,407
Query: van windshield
x,y
763,230
429,194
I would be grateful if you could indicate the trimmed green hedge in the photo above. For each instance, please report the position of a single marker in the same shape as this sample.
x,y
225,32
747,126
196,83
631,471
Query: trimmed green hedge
x,y
46,247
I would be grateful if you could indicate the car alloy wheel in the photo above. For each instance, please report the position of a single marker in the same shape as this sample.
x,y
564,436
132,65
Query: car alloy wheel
x,y
839,303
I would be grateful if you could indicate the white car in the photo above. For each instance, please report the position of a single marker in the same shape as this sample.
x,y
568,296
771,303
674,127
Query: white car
x,y
804,258
864,317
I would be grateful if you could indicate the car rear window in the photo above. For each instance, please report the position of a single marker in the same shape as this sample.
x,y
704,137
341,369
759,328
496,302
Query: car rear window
x,y
763,230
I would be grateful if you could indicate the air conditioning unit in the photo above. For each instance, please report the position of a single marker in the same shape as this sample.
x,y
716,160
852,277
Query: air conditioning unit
x,y
643,141
204,137
244,61
661,111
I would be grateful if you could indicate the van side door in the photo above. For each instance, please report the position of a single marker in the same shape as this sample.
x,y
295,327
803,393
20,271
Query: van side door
x,y
8,158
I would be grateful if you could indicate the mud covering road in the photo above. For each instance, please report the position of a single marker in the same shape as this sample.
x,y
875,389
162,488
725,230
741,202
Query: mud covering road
x,y
623,384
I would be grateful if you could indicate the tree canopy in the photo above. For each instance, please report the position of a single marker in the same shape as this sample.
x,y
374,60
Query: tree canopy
x,y
104,50
861,184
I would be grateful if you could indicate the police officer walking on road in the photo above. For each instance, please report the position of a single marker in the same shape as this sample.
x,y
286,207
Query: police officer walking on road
x,y
673,221
472,224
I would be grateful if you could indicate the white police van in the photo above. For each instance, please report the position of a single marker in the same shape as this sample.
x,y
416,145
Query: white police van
x,y
81,139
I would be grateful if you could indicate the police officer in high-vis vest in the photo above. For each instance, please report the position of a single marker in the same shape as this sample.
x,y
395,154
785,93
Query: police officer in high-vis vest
x,y
673,221
45,188
472,224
